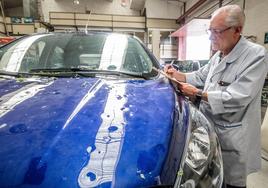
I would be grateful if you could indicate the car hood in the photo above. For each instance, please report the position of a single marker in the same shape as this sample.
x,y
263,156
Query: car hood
x,y
86,132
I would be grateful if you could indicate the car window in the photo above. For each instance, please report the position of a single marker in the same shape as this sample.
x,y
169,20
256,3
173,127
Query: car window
x,y
5,55
136,59
25,54
83,51
94,51
91,61
56,58
6,51
31,59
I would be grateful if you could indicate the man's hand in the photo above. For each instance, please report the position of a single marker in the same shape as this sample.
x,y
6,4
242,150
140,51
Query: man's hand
x,y
188,89
191,91
170,70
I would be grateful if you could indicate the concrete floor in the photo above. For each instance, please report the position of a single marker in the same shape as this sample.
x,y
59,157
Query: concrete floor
x,y
259,179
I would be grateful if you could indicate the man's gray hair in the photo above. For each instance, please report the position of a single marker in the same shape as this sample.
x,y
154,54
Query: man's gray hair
x,y
235,15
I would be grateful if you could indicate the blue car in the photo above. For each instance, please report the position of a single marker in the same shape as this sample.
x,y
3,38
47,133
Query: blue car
x,y
90,110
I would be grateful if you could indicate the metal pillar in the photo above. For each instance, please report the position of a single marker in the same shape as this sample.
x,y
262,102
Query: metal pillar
x,y
156,43
4,19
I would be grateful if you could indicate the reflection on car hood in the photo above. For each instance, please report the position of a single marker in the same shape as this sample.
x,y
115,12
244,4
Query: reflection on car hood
x,y
72,132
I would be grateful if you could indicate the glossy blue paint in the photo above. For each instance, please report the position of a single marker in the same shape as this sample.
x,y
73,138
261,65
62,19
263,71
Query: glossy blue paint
x,y
36,172
177,143
10,85
47,139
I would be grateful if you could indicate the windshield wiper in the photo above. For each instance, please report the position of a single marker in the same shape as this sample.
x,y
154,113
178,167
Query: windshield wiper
x,y
57,70
120,73
36,73
5,73
77,71
86,72
14,74
60,72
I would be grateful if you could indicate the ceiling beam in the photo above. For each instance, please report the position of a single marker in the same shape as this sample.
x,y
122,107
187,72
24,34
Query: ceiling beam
x,y
137,4
190,10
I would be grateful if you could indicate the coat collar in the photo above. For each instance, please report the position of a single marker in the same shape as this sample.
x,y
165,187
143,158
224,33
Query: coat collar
x,y
238,49
231,57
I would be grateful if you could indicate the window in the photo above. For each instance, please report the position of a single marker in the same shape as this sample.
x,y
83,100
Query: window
x,y
197,47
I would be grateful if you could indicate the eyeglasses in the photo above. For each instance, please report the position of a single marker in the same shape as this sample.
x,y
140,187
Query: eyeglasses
x,y
217,31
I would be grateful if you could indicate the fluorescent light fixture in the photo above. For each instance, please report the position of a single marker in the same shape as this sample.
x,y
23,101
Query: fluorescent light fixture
x,y
76,2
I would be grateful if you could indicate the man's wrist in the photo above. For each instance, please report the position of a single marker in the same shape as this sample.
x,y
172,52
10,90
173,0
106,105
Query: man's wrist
x,y
199,93
198,97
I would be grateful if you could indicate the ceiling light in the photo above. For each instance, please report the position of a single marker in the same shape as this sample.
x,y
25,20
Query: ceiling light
x,y
76,2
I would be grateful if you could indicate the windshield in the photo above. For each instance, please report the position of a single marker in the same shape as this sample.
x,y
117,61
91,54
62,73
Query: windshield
x,y
67,51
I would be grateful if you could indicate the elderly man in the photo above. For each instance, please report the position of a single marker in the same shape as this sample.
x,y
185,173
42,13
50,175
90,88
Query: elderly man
x,y
232,83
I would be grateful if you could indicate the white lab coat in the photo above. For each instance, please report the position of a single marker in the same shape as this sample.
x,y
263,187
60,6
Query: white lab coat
x,y
234,106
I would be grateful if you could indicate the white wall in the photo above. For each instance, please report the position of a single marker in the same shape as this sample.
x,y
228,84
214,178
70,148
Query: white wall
x,y
256,16
154,8
95,6
163,9
256,19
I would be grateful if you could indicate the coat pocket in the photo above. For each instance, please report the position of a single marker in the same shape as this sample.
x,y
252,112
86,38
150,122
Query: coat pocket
x,y
231,136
